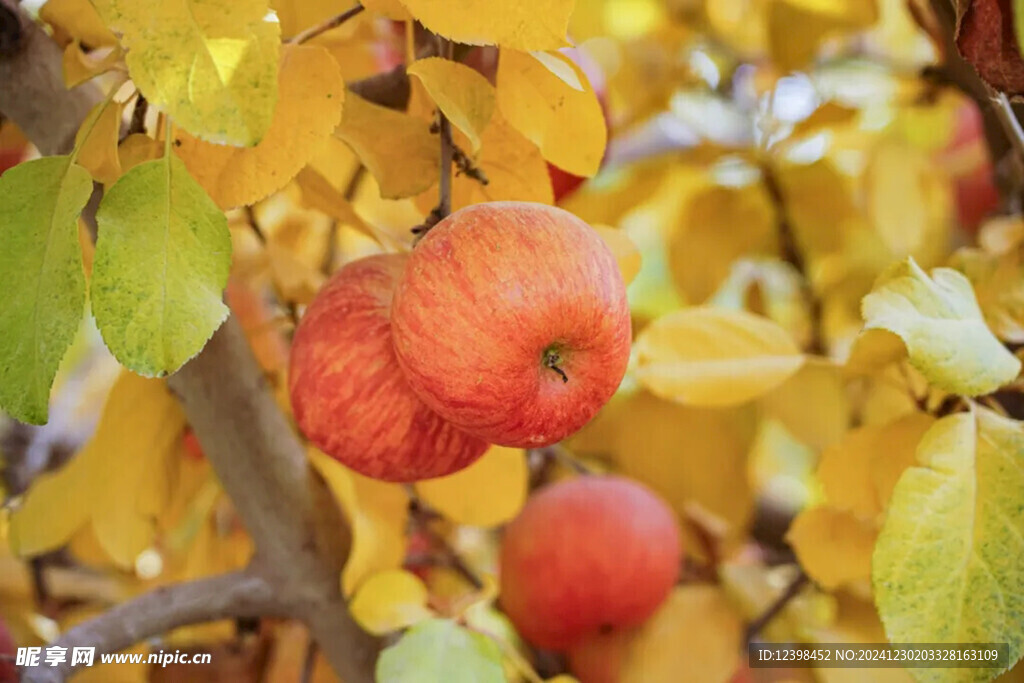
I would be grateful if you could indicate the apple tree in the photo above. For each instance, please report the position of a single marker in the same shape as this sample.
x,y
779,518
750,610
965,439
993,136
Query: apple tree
x,y
535,340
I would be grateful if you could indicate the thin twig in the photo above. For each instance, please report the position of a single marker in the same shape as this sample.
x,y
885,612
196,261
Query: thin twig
x,y
791,591
250,214
444,202
333,22
309,663
422,515
138,124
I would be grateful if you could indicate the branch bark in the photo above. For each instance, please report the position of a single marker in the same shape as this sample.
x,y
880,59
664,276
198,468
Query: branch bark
x,y
301,539
164,609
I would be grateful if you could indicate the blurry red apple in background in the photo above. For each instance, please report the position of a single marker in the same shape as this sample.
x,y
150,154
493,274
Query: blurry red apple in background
x,y
348,392
587,555
511,322
10,157
193,449
966,159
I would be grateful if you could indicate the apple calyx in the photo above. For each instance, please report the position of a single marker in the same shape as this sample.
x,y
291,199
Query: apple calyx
x,y
552,359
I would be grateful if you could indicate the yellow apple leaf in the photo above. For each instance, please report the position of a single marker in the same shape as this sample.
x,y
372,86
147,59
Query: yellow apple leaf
x,y
873,350
812,405
392,9
859,472
720,225
79,19
119,481
567,124
627,254
998,281
378,513
518,24
768,287
137,148
97,142
833,546
398,149
643,436
945,568
713,357
696,630
211,65
489,492
295,281
390,600
909,202
462,94
318,193
80,67
307,111
939,320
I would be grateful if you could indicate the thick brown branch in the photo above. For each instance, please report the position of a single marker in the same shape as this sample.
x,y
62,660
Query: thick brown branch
x,y
32,92
238,594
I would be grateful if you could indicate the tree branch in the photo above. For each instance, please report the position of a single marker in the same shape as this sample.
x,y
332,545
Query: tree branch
x,y
238,594
333,22
773,610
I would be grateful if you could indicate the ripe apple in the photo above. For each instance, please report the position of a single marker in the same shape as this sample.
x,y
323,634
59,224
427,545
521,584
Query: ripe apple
x,y
966,158
598,658
348,392
564,183
8,651
511,322
587,555
10,157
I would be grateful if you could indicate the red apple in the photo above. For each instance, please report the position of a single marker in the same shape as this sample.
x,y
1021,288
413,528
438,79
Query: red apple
x,y
8,652
966,159
587,555
511,322
348,392
564,183
598,658
10,157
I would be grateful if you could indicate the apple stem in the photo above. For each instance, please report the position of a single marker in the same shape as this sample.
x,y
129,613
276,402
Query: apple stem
x,y
551,360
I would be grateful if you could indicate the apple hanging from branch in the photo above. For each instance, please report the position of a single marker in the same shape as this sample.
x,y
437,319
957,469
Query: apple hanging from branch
x,y
511,322
348,392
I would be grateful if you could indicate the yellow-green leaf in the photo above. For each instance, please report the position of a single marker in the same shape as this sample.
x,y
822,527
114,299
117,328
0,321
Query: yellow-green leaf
x,y
120,480
462,94
389,601
833,546
940,322
567,124
714,357
308,110
489,492
44,286
946,567
211,65
162,261
519,24
80,19
398,149
441,650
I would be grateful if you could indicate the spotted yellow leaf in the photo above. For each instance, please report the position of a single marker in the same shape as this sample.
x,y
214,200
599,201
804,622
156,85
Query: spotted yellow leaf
x,y
945,568
487,493
97,142
567,124
939,320
309,108
462,94
714,357
390,600
211,65
518,24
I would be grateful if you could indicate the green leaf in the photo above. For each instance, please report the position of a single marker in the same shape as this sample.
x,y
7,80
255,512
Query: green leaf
x,y
212,64
41,271
162,261
940,323
947,567
440,650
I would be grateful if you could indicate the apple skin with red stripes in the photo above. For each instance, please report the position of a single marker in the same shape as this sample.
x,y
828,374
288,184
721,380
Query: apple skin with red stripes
x,y
511,322
348,393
